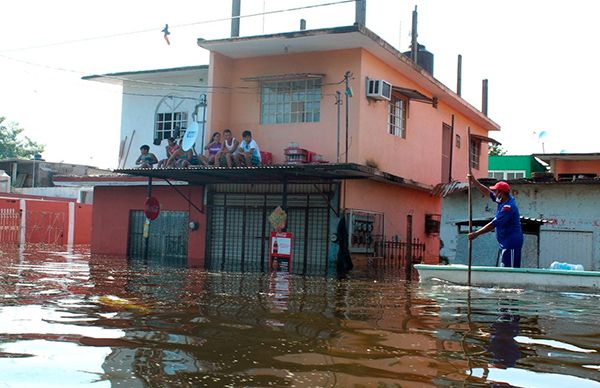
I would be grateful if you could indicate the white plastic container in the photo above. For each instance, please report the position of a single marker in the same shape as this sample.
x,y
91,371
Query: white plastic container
x,y
566,266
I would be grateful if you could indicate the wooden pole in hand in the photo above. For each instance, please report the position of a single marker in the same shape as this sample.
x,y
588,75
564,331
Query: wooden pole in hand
x,y
469,194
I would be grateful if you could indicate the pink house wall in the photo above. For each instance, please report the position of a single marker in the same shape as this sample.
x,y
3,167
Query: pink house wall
x,y
396,202
244,104
418,157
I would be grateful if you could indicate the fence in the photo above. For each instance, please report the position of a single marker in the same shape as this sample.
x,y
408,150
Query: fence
x,y
10,225
399,254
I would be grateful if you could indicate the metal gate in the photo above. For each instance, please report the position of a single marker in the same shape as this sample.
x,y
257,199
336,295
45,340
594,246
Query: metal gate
x,y
10,225
167,238
238,229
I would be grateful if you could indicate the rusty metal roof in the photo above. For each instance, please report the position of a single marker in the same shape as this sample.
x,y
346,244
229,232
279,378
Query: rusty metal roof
x,y
275,173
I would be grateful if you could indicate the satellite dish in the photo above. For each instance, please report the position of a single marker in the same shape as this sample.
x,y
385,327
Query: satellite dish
x,y
190,136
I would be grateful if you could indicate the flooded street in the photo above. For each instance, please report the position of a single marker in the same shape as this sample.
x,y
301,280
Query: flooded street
x,y
71,319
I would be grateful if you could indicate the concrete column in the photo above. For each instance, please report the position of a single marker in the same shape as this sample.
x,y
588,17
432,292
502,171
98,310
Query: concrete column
x,y
361,12
235,18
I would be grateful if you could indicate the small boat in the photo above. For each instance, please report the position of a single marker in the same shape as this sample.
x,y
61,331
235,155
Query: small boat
x,y
535,278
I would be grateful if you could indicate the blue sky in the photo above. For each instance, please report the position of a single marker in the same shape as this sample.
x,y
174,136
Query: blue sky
x,y
538,56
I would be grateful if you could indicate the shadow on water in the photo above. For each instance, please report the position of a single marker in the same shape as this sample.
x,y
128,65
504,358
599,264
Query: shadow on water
x,y
71,318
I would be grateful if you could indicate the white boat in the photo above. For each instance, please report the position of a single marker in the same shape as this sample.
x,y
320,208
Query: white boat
x,y
545,279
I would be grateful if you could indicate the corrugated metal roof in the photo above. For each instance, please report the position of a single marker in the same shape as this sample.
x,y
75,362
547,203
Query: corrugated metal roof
x,y
276,173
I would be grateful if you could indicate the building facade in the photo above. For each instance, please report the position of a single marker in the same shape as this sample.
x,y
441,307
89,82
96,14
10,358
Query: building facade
x,y
384,132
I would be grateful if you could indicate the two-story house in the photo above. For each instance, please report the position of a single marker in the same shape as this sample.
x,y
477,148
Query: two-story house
x,y
397,133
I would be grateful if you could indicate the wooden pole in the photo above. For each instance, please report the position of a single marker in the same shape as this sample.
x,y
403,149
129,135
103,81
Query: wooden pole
x,y
469,195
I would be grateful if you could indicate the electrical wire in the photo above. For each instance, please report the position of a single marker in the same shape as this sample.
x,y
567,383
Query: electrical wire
x,y
174,26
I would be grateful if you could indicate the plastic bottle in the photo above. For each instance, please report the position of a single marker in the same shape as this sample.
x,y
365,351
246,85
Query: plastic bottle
x,y
566,266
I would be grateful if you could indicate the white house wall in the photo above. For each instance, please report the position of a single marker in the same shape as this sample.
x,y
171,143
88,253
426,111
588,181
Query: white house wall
x,y
140,100
571,208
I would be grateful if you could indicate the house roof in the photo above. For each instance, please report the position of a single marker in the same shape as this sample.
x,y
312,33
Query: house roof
x,y
118,78
329,39
548,157
278,173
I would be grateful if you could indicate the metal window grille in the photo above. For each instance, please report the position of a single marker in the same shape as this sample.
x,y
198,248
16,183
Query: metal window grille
x,y
295,101
397,116
238,234
167,238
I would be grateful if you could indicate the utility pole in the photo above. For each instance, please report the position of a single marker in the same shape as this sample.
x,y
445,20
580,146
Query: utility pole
x,y
348,94
338,102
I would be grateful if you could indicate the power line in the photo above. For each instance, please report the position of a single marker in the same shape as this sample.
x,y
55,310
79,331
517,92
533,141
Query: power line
x,y
175,26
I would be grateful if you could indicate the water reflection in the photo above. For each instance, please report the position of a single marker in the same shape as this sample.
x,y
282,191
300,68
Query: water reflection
x,y
69,318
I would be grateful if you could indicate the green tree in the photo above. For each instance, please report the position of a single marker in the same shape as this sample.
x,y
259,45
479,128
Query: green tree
x,y
496,150
12,145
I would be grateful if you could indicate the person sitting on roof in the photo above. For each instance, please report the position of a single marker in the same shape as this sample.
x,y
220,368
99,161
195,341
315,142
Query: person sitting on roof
x,y
171,148
213,148
225,155
187,158
248,153
146,159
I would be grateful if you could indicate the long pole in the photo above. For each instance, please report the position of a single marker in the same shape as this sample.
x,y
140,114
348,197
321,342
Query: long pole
x,y
338,102
469,194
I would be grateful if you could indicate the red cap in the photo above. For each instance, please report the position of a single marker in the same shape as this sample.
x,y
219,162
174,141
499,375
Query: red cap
x,y
501,186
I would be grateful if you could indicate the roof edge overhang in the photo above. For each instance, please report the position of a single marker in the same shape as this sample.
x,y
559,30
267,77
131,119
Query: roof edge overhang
x,y
118,78
362,37
277,173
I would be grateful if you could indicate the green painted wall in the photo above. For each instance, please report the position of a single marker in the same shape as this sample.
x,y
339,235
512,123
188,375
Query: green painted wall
x,y
515,162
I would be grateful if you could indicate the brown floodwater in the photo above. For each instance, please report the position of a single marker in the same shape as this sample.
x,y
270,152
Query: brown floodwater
x,y
68,318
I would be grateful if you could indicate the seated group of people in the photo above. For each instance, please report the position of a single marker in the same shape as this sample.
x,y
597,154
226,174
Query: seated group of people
x,y
230,153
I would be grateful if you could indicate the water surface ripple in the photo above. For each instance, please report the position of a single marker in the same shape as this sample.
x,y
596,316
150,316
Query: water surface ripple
x,y
68,318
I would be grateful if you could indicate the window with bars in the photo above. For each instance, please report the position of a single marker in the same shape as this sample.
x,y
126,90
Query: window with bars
x,y
172,124
397,116
297,101
475,152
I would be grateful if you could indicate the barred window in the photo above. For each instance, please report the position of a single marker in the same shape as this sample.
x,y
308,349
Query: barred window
x,y
397,116
296,101
171,124
475,152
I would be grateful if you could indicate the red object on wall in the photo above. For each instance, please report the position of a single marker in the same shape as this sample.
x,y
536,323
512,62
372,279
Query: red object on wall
x,y
151,208
280,252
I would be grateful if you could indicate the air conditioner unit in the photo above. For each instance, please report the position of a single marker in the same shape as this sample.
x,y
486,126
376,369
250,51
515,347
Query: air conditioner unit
x,y
379,89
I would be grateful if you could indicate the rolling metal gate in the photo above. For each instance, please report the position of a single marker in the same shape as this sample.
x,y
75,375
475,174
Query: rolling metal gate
x,y
238,227
167,238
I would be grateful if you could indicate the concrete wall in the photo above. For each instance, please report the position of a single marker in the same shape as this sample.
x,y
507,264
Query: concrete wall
x,y
396,203
112,206
418,157
139,104
569,207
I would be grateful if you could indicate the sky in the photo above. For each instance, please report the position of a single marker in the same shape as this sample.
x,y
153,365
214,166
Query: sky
x,y
539,57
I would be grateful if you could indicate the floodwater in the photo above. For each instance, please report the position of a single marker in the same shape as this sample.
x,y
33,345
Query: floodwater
x,y
71,319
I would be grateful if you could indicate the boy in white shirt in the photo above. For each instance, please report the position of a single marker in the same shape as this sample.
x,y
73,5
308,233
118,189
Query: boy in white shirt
x,y
248,153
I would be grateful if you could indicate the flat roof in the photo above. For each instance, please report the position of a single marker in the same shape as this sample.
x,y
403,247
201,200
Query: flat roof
x,y
118,78
338,38
584,156
264,174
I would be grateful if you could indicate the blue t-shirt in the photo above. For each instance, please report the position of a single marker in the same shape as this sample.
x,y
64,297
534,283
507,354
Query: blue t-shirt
x,y
508,224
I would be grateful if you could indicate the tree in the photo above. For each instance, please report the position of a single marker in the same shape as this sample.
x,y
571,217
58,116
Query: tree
x,y
496,150
11,143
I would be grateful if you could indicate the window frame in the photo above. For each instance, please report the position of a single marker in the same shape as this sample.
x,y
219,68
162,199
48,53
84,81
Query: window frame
x,y
286,102
475,152
177,120
393,128
505,173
